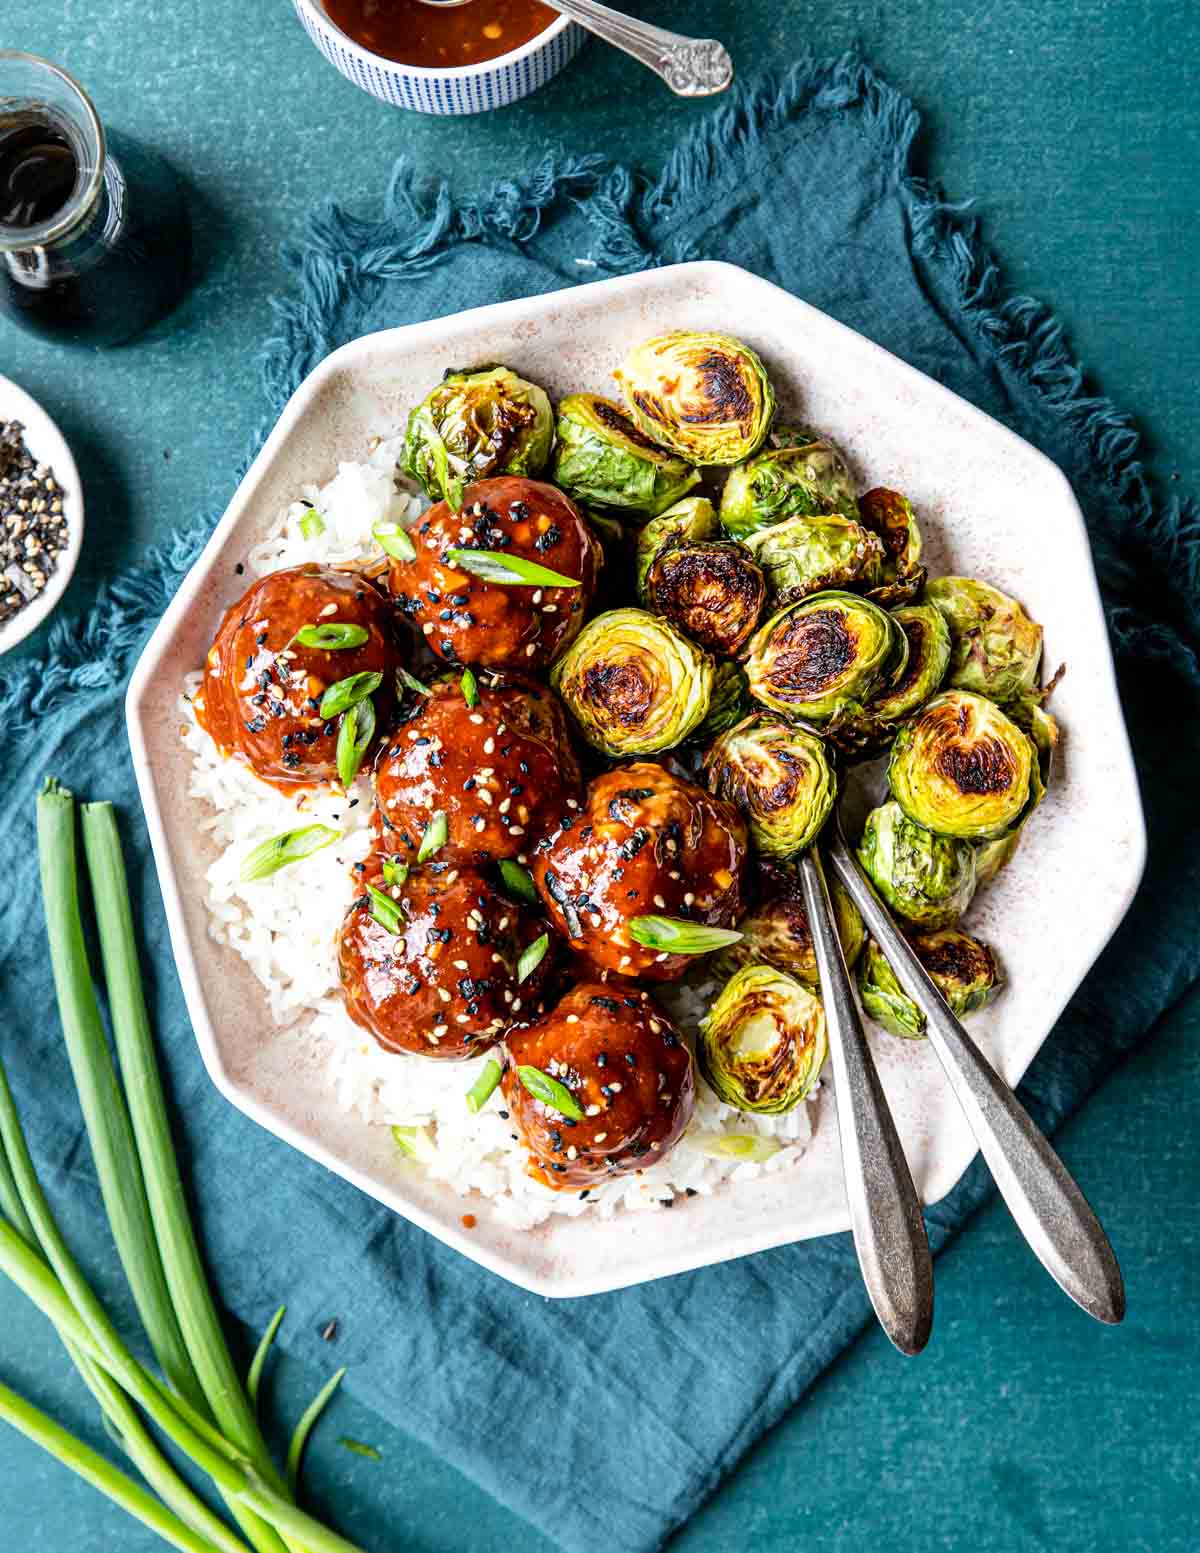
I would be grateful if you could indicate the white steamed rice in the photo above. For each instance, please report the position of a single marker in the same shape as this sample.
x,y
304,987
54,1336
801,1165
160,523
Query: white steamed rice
x,y
285,927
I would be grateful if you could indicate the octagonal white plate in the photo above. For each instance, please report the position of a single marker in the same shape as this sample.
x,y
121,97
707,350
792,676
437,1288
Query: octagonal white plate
x,y
989,504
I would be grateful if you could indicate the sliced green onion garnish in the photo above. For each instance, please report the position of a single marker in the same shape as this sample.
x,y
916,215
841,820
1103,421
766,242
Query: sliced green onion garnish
x,y
332,635
412,1141
470,688
550,1092
290,846
437,833
532,957
497,566
345,693
360,1448
412,682
393,872
355,734
678,936
518,881
312,524
736,1145
392,538
481,1089
384,909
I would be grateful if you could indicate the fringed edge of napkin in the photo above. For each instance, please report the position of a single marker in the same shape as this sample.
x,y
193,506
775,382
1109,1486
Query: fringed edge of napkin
x,y
342,257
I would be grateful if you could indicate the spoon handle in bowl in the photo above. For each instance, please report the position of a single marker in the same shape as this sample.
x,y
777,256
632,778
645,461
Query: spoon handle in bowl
x,y
885,1214
691,67
1050,1210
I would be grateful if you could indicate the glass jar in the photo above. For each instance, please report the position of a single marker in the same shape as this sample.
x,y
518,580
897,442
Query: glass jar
x,y
95,237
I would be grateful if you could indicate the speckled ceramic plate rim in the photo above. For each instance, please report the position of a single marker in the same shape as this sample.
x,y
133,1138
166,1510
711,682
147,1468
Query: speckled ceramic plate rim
x,y
735,1226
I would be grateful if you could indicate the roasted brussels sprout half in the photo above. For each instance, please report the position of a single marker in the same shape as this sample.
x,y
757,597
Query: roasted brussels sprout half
x,y
710,589
777,932
811,554
962,767
963,970
604,460
475,424
705,396
633,683
927,880
928,655
823,659
693,518
890,516
779,776
763,1041
795,480
992,856
997,649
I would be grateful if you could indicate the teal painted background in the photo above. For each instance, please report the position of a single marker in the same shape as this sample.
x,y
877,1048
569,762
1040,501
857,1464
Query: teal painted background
x,y
1077,129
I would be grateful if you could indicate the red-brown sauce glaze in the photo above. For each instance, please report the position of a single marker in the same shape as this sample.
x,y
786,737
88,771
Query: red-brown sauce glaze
x,y
262,708
626,1067
417,34
501,771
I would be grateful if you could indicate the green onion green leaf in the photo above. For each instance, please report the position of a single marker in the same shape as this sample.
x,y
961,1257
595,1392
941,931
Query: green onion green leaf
x,y
394,872
354,736
470,688
384,909
412,682
413,1141
312,524
437,833
305,1427
518,881
345,693
360,1448
290,846
481,1089
498,566
254,1377
676,935
550,1092
392,538
532,957
332,635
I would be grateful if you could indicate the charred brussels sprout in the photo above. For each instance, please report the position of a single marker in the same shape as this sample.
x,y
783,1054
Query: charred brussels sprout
x,y
693,518
729,703
963,970
997,648
633,683
779,776
476,424
604,460
821,660
705,396
928,656
806,555
963,768
992,856
794,480
711,589
777,932
927,880
890,516
763,1041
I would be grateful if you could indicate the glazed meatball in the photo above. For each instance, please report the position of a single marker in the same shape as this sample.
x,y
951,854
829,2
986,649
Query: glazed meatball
x,y
260,698
444,983
498,625
646,842
629,1072
500,771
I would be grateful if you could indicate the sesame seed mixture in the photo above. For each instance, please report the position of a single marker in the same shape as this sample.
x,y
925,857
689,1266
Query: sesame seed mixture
x,y
33,526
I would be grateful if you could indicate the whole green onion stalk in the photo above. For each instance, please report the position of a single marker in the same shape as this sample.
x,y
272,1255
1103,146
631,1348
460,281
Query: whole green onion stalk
x,y
201,1406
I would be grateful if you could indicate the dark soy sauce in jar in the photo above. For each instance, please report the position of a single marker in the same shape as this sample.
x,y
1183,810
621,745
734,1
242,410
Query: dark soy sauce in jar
x,y
121,261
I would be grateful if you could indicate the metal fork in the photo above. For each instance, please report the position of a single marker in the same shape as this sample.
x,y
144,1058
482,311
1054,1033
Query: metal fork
x,y
1050,1210
885,1212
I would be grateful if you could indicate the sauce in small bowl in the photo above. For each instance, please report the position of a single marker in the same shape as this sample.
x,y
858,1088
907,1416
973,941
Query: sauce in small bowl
x,y
439,36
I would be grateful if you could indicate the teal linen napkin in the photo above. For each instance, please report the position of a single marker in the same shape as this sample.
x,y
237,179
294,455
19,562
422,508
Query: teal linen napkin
x,y
606,1421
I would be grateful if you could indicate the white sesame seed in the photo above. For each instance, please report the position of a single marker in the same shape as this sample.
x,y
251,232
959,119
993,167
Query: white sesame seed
x,y
475,718
689,899
600,1136
460,965
489,746
440,1029
516,1005
501,728
571,804
623,961
496,958
549,609
615,1086
592,1110
505,806
537,597
572,1019
330,609
660,903
461,1019
659,958
479,822
508,997
427,628
655,1027
484,795
515,830
572,1151
443,994
531,649
452,876
502,924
